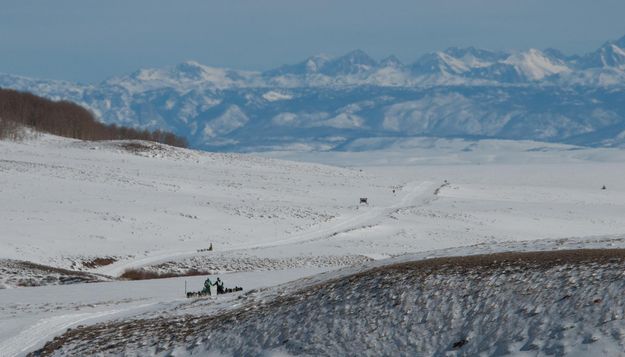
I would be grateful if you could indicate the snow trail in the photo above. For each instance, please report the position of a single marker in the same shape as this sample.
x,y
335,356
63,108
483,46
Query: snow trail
x,y
415,190
47,328
418,193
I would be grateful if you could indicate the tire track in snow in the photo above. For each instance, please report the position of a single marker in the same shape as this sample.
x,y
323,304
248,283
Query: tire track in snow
x,y
418,193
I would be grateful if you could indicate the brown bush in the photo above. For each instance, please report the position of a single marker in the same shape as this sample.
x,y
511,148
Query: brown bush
x,y
141,274
98,262
64,118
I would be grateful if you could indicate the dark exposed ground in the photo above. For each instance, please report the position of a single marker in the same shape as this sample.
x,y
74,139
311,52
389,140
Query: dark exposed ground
x,y
18,273
98,262
142,274
220,262
408,298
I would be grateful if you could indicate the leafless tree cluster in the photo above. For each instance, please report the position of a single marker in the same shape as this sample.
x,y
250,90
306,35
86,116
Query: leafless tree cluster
x,y
63,118
10,130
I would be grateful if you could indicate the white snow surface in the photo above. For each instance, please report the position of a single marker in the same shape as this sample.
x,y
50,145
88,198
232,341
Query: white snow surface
x,y
67,202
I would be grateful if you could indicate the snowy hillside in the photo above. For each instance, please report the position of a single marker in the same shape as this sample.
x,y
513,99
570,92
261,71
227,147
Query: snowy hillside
x,y
104,209
325,102
129,199
540,303
144,203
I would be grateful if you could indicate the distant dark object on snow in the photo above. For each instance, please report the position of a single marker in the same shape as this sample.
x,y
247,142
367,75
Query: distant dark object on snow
x,y
459,344
209,249
364,200
604,188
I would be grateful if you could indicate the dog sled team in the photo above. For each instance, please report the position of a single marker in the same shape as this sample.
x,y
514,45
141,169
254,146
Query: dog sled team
x,y
217,288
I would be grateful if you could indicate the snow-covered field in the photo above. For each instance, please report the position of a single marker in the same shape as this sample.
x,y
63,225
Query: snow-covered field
x,y
106,207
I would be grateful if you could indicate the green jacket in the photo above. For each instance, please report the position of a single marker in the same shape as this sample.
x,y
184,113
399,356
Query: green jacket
x,y
208,284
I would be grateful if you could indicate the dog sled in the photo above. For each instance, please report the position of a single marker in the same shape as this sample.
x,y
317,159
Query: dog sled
x,y
212,289
202,293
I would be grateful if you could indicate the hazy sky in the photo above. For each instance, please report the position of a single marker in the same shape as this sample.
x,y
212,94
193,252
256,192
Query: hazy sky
x,y
90,40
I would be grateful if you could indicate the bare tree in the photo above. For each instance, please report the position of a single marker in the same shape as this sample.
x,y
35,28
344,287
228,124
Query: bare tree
x,y
64,118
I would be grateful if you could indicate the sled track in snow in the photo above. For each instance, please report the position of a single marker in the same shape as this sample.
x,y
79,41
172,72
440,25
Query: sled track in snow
x,y
418,193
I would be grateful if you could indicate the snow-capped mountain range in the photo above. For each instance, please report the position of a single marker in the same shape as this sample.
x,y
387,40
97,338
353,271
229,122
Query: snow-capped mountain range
x,y
326,103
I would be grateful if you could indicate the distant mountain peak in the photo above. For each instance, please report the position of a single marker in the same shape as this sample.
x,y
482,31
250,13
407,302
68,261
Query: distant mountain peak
x,y
190,69
536,65
611,54
191,63
439,62
354,62
358,56
477,53
310,65
557,54
391,61
315,63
